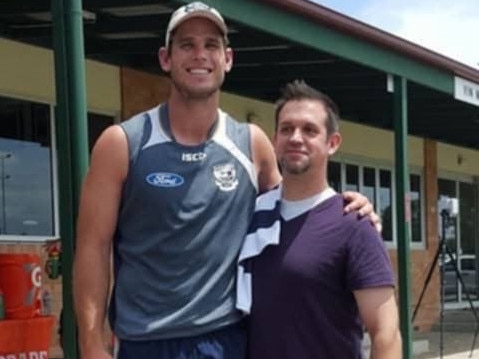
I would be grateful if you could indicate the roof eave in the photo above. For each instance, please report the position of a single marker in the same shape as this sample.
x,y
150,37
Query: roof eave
x,y
372,34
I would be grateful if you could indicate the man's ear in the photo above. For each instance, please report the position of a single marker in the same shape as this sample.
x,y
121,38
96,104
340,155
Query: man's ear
x,y
334,142
228,59
164,59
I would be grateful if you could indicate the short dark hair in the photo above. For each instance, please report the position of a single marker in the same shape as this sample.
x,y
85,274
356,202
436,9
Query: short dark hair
x,y
299,90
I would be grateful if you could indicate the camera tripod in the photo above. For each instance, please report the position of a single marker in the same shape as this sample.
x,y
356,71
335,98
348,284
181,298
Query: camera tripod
x,y
442,250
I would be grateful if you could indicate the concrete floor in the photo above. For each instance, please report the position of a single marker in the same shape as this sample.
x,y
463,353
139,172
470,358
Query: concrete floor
x,y
456,345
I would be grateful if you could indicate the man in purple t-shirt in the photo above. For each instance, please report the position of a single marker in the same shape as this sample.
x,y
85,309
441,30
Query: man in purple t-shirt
x,y
329,276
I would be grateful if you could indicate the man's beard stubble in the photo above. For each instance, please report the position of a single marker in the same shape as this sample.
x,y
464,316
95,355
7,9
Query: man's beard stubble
x,y
294,170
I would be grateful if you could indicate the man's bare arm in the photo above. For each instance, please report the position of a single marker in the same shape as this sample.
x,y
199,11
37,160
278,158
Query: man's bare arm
x,y
378,310
99,203
264,160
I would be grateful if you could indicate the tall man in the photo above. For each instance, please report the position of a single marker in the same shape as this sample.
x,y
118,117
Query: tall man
x,y
325,274
172,190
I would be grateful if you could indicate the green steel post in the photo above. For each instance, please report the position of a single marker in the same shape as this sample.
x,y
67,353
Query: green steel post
x,y
71,132
76,94
403,217
62,133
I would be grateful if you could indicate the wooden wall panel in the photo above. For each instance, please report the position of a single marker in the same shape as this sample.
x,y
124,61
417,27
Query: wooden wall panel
x,y
141,91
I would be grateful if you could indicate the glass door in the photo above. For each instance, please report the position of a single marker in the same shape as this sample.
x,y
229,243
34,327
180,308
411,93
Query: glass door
x,y
448,232
468,208
461,237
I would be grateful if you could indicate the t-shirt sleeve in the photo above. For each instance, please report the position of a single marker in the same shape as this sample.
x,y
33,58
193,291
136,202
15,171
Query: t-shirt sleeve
x,y
368,263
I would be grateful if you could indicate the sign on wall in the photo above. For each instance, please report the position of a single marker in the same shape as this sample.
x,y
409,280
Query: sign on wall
x,y
466,91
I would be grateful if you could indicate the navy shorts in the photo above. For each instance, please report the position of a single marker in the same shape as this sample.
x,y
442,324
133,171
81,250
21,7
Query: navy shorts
x,y
225,343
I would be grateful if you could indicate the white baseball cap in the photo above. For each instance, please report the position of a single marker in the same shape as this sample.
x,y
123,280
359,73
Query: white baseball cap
x,y
195,9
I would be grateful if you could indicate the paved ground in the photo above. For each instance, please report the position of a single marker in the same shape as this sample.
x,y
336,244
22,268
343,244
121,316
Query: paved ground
x,y
456,345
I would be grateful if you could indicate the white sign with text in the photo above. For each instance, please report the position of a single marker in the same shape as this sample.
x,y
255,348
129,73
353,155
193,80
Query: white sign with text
x,y
467,91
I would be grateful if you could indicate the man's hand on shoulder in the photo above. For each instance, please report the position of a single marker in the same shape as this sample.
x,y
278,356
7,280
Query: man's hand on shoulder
x,y
359,202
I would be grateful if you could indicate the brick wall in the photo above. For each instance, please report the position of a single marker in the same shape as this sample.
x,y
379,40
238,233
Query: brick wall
x,y
421,259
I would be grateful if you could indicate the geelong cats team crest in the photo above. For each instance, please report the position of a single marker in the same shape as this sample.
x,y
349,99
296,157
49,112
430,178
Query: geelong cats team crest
x,y
225,177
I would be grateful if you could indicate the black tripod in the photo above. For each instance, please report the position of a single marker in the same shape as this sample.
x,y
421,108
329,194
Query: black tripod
x,y
442,250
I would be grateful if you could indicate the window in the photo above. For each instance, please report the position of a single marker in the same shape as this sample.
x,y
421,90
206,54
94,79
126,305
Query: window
x,y
27,196
468,264
416,205
96,124
352,178
369,183
334,175
378,184
27,163
385,204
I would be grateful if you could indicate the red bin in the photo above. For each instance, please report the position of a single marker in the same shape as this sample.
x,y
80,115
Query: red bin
x,y
26,338
20,280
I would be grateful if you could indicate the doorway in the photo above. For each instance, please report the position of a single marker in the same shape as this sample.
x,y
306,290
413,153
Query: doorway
x,y
462,237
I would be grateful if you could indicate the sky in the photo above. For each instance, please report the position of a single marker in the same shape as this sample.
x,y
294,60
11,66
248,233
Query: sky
x,y
450,28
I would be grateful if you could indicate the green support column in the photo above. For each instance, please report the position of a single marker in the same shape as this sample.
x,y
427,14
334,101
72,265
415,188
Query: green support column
x,y
72,147
403,209
62,126
76,95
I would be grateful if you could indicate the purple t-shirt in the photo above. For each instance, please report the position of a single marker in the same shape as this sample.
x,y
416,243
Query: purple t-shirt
x,y
303,302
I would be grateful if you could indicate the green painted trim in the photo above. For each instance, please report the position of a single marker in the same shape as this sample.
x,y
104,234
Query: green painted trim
x,y
300,30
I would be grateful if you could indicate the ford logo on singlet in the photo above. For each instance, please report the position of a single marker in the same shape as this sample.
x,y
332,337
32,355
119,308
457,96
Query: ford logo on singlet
x,y
164,179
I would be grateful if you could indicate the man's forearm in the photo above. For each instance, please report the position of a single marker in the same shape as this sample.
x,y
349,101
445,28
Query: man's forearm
x,y
90,290
386,346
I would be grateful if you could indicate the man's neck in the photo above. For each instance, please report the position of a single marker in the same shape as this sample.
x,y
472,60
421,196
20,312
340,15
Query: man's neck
x,y
298,187
191,120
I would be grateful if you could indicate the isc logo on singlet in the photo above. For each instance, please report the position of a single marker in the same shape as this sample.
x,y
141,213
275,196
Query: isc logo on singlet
x,y
193,157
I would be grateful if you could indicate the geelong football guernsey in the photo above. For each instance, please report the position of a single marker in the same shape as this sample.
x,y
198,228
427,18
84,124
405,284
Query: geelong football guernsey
x,y
184,213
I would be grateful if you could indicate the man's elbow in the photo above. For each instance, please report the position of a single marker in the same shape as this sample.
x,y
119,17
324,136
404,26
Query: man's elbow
x,y
386,344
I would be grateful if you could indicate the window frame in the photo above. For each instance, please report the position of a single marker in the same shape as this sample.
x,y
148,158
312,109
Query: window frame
x,y
382,165
25,239
35,239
